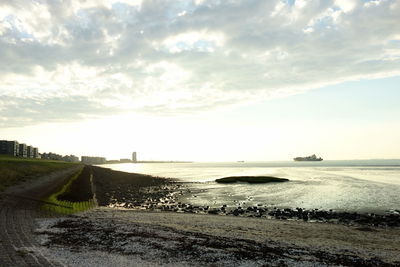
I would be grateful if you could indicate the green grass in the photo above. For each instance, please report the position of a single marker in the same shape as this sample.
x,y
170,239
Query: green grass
x,y
14,170
251,179
67,207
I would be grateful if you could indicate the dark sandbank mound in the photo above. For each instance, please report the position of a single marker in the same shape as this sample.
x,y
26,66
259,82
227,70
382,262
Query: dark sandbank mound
x,y
133,189
251,179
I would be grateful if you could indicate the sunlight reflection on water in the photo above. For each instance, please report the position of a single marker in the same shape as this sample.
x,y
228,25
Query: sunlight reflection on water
x,y
331,185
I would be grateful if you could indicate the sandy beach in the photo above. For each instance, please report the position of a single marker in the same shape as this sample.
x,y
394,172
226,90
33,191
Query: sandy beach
x,y
111,237
145,235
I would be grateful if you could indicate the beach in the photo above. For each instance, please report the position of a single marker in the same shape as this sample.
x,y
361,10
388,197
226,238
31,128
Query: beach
x,y
141,222
112,237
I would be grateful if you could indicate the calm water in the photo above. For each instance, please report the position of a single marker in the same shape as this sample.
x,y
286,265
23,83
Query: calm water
x,y
372,185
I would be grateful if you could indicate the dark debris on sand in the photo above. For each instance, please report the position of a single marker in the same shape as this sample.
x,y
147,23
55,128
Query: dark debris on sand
x,y
167,245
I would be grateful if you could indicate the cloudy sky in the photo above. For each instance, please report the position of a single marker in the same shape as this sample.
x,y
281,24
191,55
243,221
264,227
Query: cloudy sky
x,y
202,80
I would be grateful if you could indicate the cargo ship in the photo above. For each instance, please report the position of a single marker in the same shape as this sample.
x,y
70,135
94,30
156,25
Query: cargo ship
x,y
309,158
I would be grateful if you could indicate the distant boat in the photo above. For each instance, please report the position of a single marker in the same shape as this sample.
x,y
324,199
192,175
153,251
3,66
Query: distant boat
x,y
309,158
241,161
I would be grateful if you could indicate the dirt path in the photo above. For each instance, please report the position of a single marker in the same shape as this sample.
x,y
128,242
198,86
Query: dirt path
x,y
18,211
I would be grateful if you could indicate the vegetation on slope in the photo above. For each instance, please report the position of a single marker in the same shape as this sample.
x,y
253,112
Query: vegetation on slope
x,y
79,189
14,170
74,196
251,179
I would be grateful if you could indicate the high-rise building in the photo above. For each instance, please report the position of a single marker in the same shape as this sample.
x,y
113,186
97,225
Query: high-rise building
x,y
35,152
29,151
134,158
23,150
13,148
9,147
3,147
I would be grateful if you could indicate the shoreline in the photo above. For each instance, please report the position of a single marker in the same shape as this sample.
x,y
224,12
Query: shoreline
x,y
130,189
146,192
107,236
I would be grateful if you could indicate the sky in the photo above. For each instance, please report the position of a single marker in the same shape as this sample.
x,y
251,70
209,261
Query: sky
x,y
202,80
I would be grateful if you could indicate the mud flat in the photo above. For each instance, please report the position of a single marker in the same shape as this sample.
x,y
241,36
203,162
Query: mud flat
x,y
145,192
131,190
112,237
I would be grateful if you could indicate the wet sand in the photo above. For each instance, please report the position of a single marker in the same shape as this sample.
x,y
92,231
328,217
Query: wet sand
x,y
138,191
129,189
123,237
155,229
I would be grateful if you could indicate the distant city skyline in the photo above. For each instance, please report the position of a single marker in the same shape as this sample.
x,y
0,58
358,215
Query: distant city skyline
x,y
202,80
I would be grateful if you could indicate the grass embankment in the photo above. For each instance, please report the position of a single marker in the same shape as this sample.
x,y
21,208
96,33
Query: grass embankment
x,y
74,196
14,170
251,179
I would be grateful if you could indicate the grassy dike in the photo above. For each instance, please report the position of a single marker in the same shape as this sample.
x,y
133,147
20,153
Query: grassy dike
x,y
75,196
14,170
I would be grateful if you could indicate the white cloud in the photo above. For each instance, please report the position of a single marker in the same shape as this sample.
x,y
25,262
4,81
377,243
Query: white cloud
x,y
346,5
372,3
202,41
179,56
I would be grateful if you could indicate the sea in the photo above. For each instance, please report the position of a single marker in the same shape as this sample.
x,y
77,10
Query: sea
x,y
351,185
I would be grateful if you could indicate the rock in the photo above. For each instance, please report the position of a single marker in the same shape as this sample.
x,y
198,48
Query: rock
x,y
213,211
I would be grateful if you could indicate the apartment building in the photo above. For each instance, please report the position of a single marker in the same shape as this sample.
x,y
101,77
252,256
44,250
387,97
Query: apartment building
x,y
9,148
